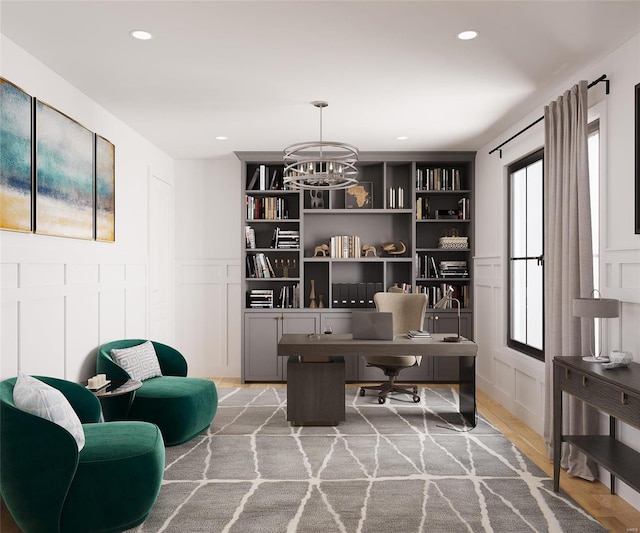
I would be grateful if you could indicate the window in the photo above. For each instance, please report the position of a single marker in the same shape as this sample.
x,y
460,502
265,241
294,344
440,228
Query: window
x,y
526,284
526,245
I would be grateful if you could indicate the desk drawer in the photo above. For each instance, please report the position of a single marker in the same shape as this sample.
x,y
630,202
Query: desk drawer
x,y
607,397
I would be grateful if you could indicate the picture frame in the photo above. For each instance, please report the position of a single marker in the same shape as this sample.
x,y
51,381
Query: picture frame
x,y
16,158
64,188
359,196
105,187
637,156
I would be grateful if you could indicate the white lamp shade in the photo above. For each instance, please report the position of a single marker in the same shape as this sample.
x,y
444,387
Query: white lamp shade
x,y
596,307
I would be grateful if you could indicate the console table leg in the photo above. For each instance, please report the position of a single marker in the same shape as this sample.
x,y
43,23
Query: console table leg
x,y
557,431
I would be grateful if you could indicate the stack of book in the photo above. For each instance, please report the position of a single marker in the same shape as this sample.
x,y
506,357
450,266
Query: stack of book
x,y
285,239
418,334
261,298
453,269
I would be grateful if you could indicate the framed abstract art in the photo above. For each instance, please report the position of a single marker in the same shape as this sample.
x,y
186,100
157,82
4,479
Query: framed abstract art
x,y
64,175
105,190
16,166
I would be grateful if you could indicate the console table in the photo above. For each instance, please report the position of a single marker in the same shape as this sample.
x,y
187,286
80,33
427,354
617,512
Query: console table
x,y
615,392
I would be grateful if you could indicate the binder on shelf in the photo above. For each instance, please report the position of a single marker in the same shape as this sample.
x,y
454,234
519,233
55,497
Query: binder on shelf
x,y
344,295
371,290
362,295
335,295
353,294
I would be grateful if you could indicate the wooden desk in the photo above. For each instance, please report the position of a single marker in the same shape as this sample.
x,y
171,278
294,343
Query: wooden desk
x,y
310,389
615,392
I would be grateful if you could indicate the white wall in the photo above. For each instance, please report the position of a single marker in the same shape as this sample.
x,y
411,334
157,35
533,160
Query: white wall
x,y
62,298
516,380
208,239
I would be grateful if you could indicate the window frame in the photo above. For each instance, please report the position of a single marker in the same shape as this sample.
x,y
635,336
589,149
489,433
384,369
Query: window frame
x,y
521,163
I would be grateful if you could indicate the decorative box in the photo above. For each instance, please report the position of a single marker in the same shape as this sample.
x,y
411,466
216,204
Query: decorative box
x,y
453,242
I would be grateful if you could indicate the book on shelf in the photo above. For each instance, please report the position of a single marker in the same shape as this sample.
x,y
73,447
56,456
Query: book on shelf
x,y
289,297
253,180
250,237
259,266
345,247
465,208
438,179
266,208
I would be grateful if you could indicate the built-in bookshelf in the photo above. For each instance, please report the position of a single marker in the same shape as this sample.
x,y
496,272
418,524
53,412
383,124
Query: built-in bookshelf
x,y
310,256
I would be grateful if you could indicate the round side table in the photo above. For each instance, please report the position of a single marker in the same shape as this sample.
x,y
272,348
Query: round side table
x,y
116,398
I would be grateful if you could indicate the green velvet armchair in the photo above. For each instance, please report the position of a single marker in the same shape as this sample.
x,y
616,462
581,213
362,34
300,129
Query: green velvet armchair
x,y
51,487
181,406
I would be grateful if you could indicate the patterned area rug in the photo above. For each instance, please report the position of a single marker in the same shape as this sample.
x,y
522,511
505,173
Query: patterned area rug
x,y
397,467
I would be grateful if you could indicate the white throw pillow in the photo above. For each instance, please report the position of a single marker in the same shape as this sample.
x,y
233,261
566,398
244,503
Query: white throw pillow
x,y
141,361
39,399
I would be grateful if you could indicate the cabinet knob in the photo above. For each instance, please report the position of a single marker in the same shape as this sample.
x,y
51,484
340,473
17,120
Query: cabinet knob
x,y
567,373
436,317
584,381
623,398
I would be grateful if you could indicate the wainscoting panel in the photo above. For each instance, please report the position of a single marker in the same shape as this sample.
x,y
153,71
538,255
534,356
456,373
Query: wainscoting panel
x,y
112,315
82,330
208,309
9,339
56,314
42,336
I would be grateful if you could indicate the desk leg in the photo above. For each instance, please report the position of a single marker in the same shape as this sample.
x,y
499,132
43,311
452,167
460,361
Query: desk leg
x,y
557,428
467,394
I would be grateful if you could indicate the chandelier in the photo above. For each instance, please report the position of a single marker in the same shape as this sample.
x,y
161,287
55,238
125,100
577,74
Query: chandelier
x,y
320,165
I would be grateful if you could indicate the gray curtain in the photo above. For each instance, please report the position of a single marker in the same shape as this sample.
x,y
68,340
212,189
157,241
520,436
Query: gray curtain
x,y
568,265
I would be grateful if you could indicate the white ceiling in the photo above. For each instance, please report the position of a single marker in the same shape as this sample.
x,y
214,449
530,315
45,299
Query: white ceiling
x,y
248,70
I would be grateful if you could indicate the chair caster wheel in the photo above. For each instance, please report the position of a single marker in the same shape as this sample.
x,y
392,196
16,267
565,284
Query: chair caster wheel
x,y
381,400
361,392
416,399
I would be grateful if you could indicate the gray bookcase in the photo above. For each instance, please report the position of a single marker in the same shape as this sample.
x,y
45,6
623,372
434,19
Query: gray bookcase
x,y
396,189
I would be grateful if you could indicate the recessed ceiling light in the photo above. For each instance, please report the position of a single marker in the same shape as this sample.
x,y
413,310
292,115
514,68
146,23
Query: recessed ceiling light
x,y
402,138
467,35
140,34
221,138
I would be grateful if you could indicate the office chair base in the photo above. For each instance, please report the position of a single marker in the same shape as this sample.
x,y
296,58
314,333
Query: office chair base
x,y
387,388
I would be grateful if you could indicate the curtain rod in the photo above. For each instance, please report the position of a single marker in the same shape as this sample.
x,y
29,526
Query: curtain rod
x,y
602,78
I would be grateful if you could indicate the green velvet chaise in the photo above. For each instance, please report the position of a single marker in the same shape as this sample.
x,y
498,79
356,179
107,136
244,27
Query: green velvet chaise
x,y
182,407
49,486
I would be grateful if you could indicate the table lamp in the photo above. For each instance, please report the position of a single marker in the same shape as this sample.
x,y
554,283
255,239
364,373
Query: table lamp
x,y
593,308
442,304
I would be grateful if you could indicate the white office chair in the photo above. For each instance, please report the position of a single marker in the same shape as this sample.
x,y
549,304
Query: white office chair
x,y
408,314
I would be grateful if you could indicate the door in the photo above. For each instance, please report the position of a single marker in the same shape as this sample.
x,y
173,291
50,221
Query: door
x,y
160,260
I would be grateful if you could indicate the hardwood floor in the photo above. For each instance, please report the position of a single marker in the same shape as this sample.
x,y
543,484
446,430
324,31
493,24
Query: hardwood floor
x,y
612,511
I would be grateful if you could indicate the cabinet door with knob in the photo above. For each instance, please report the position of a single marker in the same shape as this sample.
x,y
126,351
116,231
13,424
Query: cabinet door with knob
x,y
262,331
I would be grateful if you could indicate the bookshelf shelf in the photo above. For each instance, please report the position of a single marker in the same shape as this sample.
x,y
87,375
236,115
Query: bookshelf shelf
x,y
399,208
